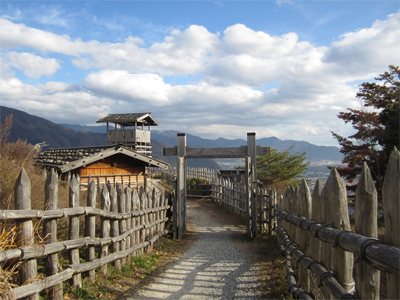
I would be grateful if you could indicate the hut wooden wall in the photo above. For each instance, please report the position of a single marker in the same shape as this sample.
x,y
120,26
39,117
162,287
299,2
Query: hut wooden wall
x,y
116,169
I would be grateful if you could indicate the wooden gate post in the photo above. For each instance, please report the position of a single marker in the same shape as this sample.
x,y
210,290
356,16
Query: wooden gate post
x,y
248,196
181,184
251,170
249,152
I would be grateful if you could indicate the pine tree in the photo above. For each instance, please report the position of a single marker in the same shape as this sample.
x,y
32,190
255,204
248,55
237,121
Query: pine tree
x,y
280,169
377,132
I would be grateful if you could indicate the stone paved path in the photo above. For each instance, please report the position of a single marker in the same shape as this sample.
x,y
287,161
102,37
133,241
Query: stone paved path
x,y
216,266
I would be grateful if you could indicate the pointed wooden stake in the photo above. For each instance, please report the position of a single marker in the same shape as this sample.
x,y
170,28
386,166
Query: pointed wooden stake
x,y
391,199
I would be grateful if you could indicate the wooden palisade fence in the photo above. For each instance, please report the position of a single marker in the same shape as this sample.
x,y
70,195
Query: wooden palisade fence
x,y
321,251
231,193
228,192
130,224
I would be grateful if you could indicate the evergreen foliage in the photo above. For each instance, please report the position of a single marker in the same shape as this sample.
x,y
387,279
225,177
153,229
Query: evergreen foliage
x,y
280,169
377,131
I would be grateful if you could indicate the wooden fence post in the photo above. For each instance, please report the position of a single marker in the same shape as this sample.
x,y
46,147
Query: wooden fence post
x,y
304,208
122,223
90,225
367,277
74,229
25,232
315,243
105,223
114,223
342,267
135,220
391,199
274,210
128,209
326,248
270,210
50,231
143,200
291,206
163,203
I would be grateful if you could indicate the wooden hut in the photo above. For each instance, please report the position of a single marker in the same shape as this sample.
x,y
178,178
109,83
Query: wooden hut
x,y
131,130
114,163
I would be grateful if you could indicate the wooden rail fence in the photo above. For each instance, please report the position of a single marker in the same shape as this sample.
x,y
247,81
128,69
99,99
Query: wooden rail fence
x,y
228,191
319,244
128,223
232,194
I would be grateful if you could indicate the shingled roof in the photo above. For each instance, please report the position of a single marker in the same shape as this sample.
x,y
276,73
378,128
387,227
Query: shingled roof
x,y
130,119
68,159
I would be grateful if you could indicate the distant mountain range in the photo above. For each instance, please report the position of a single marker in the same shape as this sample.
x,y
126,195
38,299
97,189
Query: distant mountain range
x,y
36,130
314,152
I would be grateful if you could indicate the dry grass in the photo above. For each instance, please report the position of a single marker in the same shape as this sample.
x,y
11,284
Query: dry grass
x,y
139,271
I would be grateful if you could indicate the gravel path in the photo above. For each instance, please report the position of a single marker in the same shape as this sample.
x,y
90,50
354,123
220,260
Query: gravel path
x,y
218,265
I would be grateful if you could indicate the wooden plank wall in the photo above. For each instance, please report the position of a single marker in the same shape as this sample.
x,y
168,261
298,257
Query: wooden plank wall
x,y
131,222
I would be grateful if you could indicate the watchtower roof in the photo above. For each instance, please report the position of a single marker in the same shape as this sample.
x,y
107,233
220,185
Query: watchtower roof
x,y
130,119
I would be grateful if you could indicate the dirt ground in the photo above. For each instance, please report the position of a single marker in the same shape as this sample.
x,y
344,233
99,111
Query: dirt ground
x,y
262,253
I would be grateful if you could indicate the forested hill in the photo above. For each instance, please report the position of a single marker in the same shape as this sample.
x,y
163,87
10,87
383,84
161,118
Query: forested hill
x,y
314,152
36,130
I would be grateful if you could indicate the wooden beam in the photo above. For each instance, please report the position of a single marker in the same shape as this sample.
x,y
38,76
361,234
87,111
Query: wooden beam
x,y
238,152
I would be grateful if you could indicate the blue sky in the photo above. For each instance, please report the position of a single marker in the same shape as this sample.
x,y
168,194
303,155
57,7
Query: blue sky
x,y
209,68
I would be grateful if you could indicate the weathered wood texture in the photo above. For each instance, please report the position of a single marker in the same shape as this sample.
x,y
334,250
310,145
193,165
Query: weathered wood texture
x,y
74,229
25,231
239,152
391,199
230,193
329,242
50,231
367,277
128,227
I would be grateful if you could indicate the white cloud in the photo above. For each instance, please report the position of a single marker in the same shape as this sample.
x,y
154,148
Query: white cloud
x,y
239,39
33,65
130,87
244,80
363,53
52,15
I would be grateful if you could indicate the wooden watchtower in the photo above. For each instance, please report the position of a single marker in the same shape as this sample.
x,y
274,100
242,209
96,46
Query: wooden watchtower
x,y
130,130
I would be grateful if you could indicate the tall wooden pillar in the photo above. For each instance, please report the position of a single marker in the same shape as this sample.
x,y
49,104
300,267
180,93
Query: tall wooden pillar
x,y
181,184
248,196
251,171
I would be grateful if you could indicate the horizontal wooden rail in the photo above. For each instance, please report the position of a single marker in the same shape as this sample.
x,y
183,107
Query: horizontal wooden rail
x,y
74,211
40,251
372,251
130,225
324,276
294,289
36,287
